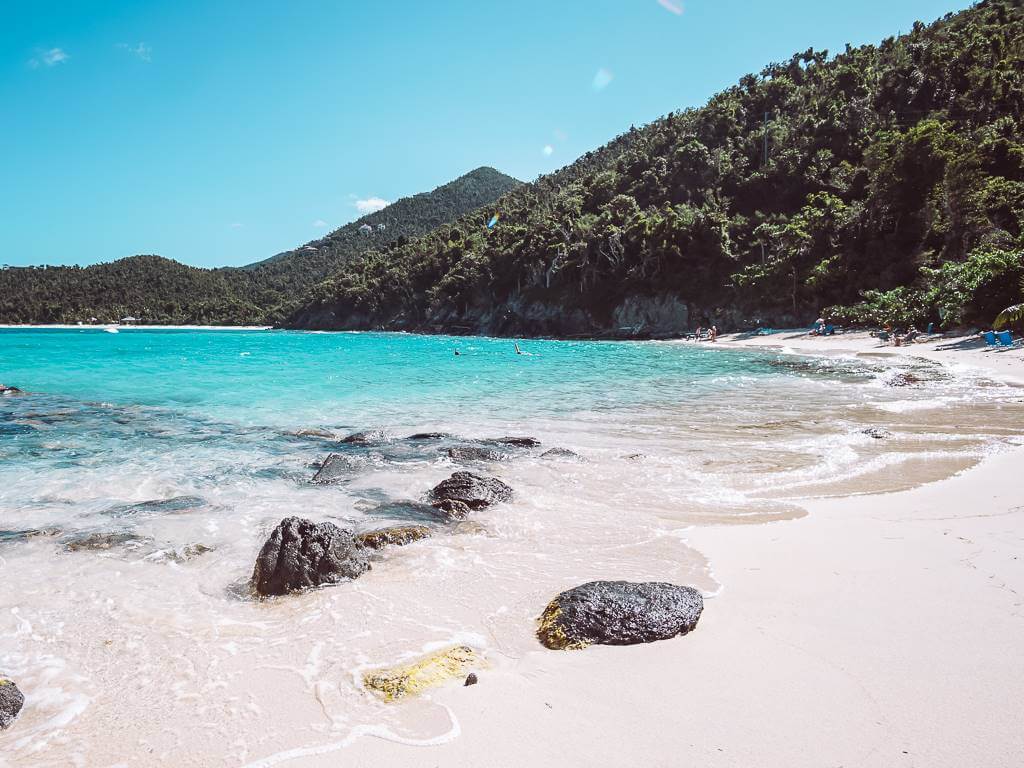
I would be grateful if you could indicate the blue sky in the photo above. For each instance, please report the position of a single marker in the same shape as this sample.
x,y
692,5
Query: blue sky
x,y
219,133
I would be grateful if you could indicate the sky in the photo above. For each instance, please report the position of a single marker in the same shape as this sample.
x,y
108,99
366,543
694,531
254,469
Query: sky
x,y
221,132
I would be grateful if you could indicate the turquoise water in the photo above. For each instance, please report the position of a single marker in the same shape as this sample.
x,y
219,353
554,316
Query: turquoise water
x,y
290,378
183,449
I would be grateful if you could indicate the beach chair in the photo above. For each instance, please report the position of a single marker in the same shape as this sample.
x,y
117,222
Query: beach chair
x,y
765,331
882,336
1005,339
829,330
990,339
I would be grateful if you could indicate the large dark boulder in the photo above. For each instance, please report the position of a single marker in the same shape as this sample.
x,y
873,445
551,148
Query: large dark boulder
x,y
301,554
619,613
11,702
474,491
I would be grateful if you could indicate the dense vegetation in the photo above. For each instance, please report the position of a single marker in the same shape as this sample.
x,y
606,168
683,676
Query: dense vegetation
x,y
892,190
159,290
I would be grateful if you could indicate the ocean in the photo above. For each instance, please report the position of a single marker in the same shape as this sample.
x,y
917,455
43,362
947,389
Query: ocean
x,y
180,450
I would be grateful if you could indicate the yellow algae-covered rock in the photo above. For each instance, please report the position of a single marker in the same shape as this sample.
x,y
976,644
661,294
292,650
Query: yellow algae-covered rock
x,y
409,679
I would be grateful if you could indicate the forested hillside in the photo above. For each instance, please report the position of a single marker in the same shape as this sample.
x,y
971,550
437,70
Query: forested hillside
x,y
159,290
885,183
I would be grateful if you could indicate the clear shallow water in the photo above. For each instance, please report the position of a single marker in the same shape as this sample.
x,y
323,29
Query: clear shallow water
x,y
175,439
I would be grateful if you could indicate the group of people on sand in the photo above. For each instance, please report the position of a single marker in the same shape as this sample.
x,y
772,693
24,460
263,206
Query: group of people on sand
x,y
898,338
704,334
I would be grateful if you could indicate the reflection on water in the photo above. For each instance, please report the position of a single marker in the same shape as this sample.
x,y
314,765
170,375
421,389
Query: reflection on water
x,y
138,485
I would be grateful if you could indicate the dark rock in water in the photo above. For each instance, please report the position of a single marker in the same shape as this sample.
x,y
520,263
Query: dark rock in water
x,y
636,457
185,554
398,535
313,433
474,491
371,437
877,432
31,533
903,380
11,702
157,506
471,679
429,436
561,453
619,613
475,453
101,542
333,469
301,554
453,509
5,390
517,442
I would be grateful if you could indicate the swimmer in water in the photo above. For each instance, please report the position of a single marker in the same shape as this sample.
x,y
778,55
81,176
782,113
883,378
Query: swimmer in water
x,y
457,353
518,350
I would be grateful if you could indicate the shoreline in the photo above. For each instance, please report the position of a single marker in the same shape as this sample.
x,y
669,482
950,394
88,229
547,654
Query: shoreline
x,y
820,646
119,327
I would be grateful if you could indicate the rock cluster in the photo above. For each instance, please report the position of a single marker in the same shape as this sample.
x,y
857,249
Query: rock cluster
x,y
408,679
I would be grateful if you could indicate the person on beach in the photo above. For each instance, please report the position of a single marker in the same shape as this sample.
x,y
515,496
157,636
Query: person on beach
x,y
714,333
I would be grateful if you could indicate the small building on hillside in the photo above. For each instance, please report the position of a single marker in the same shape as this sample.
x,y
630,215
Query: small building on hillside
x,y
366,229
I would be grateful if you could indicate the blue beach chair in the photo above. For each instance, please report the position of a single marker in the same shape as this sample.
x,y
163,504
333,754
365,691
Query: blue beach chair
x,y
990,339
1005,338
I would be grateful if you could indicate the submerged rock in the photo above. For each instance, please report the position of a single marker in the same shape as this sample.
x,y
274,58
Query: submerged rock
x,y
517,442
409,679
101,542
30,533
877,432
370,437
903,380
618,613
475,453
430,436
471,679
407,510
5,390
301,554
11,702
396,535
333,469
157,506
561,453
453,509
313,433
472,491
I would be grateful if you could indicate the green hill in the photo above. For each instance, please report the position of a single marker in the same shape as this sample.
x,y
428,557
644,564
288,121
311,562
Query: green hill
x,y
885,183
159,290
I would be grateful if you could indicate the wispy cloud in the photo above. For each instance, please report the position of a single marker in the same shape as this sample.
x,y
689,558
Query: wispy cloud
x,y
48,58
319,223
548,150
236,225
140,50
601,79
371,205
671,7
